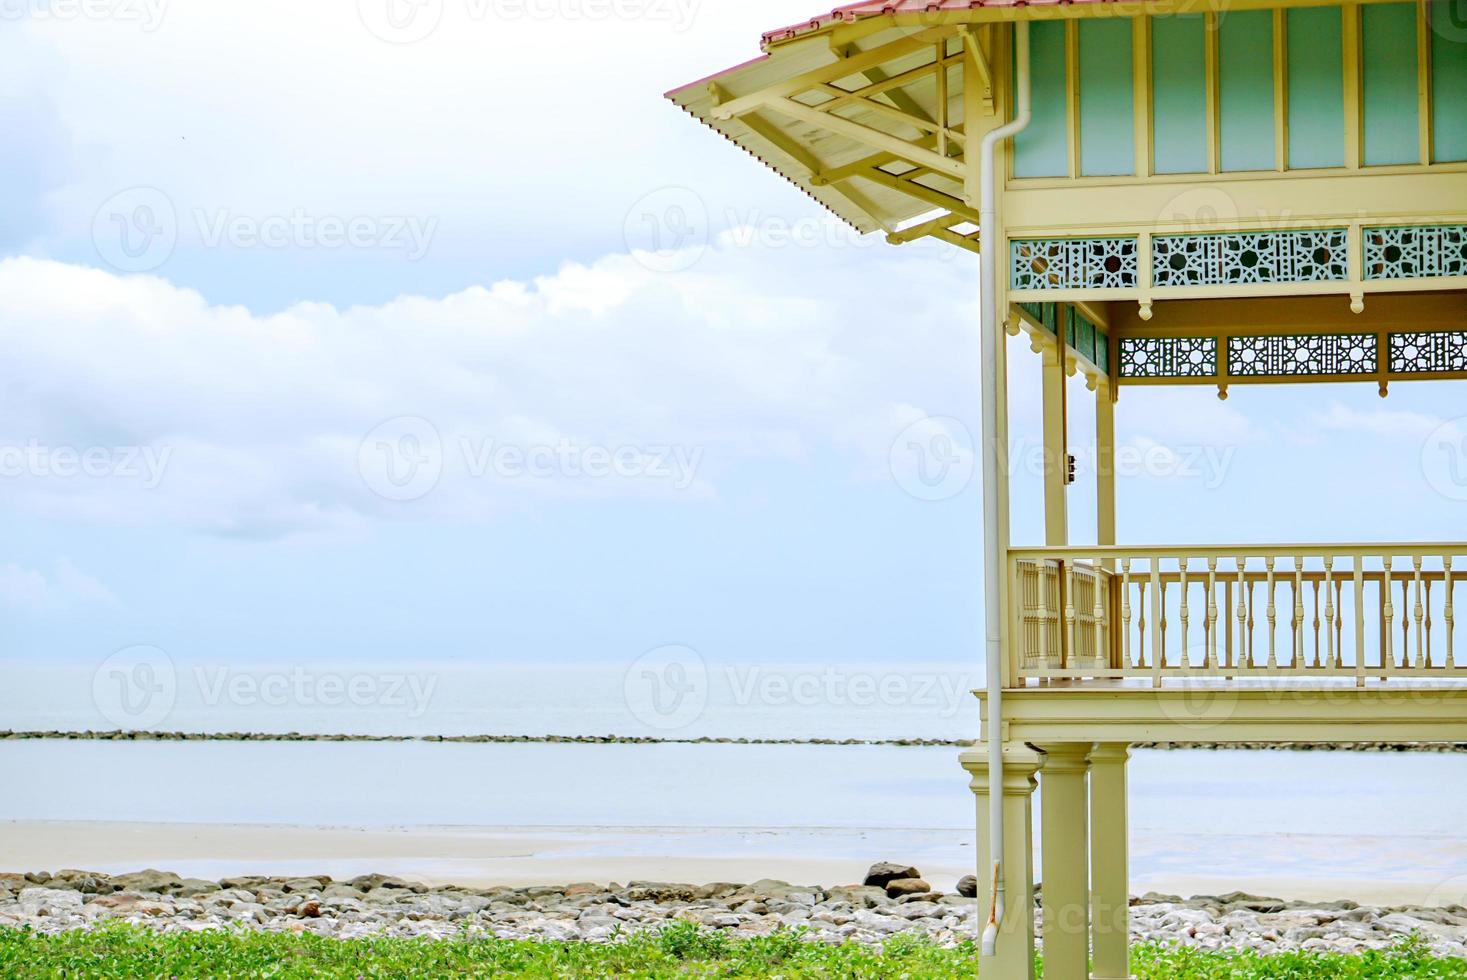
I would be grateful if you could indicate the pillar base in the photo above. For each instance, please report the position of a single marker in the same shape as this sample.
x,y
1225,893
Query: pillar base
x,y
1014,957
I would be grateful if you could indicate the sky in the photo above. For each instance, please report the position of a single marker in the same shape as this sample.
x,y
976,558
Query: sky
x,y
432,332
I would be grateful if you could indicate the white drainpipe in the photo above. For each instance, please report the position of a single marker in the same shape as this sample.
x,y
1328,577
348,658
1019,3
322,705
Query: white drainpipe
x,y
993,565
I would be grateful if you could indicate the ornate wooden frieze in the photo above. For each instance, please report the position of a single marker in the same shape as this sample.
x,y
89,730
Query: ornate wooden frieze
x,y
1074,263
1168,357
1416,253
1082,336
1249,257
1284,355
1428,353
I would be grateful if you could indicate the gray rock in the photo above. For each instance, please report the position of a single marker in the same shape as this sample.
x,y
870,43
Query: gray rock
x,y
898,887
968,886
883,873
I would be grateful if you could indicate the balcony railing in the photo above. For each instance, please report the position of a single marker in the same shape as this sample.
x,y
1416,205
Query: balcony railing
x,y
1287,612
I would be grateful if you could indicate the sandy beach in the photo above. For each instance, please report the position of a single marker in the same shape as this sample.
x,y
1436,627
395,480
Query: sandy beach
x,y
520,856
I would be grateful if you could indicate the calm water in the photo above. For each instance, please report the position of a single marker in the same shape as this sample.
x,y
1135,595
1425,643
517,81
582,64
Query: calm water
x,y
1346,817
675,695
1343,817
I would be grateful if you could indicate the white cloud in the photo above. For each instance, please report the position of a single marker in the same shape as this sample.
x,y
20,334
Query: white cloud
x,y
64,587
1387,423
604,380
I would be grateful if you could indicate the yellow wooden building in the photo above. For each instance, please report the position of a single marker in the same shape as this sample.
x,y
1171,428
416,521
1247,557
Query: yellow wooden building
x,y
1215,193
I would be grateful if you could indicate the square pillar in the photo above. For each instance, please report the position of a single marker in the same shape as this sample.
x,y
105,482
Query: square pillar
x,y
1013,957
1065,838
1110,899
1056,446
1105,463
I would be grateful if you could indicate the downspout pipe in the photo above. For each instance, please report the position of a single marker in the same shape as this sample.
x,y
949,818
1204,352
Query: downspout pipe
x,y
993,564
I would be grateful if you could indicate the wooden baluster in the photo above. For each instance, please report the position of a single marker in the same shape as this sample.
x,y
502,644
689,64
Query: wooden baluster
x,y
1044,614
1427,632
1209,651
1141,624
1243,638
1388,613
1252,626
1450,616
1273,616
1315,656
1161,622
1298,660
1229,657
1419,610
1331,638
1099,613
1126,610
1071,650
1359,620
1405,624
1158,625
1184,656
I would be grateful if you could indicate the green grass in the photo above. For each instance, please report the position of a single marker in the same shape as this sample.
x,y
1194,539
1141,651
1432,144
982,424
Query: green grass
x,y
676,951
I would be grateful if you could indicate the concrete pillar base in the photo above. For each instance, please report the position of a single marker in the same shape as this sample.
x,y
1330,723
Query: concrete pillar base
x,y
1014,957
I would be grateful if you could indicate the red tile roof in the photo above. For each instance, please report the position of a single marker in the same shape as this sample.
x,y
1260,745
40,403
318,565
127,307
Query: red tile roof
x,y
877,8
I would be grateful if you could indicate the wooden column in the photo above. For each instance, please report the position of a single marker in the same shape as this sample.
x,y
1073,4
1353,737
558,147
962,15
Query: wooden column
x,y
1065,837
1110,897
1013,957
1105,464
1056,450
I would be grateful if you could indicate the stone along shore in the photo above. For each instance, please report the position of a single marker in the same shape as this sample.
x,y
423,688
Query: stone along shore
x,y
892,900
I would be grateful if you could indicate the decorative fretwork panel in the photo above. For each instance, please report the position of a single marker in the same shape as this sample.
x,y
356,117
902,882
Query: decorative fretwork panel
x,y
1087,339
1252,257
1081,335
1428,353
1168,357
1064,618
1414,253
1075,263
1284,356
